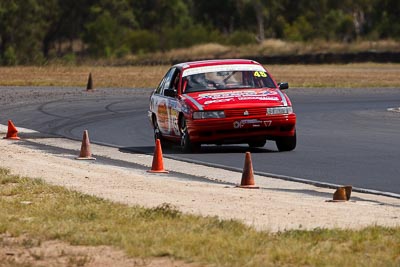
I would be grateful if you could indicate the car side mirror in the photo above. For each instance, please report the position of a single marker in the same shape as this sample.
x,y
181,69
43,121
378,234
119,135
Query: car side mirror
x,y
283,86
170,92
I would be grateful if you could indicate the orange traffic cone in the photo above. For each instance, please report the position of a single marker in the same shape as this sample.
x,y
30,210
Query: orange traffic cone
x,y
89,85
247,175
158,164
348,189
342,193
85,147
11,132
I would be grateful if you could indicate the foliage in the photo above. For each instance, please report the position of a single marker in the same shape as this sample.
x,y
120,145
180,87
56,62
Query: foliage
x,y
37,30
22,29
186,36
107,31
241,38
142,41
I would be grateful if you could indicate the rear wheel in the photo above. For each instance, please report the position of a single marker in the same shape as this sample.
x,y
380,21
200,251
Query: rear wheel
x,y
286,143
186,144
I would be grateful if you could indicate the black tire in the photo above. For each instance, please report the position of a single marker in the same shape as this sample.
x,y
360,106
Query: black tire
x,y
186,145
165,143
257,143
286,143
156,129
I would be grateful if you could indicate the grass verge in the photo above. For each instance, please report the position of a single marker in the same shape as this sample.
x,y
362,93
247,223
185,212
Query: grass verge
x,y
33,208
342,76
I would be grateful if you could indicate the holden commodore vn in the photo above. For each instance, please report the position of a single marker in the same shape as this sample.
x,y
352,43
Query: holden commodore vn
x,y
219,102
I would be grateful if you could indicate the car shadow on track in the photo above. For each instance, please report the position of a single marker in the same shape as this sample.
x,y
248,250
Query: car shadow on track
x,y
169,149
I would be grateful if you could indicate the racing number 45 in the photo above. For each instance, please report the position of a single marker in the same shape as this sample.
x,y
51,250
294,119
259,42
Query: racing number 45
x,y
260,74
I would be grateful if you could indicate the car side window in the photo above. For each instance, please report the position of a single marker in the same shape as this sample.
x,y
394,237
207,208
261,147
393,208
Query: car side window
x,y
165,81
175,83
172,80
168,79
160,86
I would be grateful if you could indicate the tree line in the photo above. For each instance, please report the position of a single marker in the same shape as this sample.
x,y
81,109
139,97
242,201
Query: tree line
x,y
34,31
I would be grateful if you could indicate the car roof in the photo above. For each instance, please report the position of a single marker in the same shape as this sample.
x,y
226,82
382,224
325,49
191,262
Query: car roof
x,y
214,62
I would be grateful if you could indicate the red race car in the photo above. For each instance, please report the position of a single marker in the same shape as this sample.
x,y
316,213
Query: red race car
x,y
222,102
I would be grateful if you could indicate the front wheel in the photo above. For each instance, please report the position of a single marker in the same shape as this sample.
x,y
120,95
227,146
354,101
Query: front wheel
x,y
165,143
156,129
186,144
257,143
286,143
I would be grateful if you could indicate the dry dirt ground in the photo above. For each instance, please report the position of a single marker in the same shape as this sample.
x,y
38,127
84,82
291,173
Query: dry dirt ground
x,y
23,251
277,206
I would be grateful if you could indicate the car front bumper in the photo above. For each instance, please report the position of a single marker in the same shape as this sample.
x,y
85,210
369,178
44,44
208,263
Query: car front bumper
x,y
243,129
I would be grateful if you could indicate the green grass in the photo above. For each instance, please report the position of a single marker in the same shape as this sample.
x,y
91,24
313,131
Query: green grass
x,y
43,212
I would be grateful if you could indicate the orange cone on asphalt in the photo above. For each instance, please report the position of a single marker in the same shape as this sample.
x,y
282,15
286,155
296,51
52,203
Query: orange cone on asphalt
x,y
89,85
11,132
342,193
85,147
248,175
158,164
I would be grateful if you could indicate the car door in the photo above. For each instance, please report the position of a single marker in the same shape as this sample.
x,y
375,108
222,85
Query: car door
x,y
159,103
166,104
173,103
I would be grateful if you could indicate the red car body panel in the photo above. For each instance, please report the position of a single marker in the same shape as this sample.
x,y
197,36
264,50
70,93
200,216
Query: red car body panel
x,y
245,118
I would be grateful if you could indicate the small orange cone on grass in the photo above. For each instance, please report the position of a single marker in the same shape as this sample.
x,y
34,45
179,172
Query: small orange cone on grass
x,y
89,86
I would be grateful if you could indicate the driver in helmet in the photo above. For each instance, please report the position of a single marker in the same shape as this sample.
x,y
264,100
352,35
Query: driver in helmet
x,y
199,81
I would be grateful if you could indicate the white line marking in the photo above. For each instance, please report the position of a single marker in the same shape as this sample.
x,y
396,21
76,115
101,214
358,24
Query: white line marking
x,y
394,109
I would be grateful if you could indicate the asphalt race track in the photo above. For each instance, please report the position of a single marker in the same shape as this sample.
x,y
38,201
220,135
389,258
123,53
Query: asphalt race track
x,y
345,136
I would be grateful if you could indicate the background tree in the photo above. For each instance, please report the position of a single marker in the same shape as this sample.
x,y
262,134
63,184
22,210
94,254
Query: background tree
x,y
22,29
222,15
66,21
109,25
33,31
386,22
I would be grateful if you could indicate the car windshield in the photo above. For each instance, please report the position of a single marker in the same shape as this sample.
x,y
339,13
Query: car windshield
x,y
233,79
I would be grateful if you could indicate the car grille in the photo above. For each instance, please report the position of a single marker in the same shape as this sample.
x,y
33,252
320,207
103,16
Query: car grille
x,y
245,112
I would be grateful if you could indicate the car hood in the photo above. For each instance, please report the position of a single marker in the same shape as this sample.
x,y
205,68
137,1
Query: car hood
x,y
238,98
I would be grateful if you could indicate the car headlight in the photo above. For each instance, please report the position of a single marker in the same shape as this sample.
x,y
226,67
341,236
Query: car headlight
x,y
208,115
279,110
